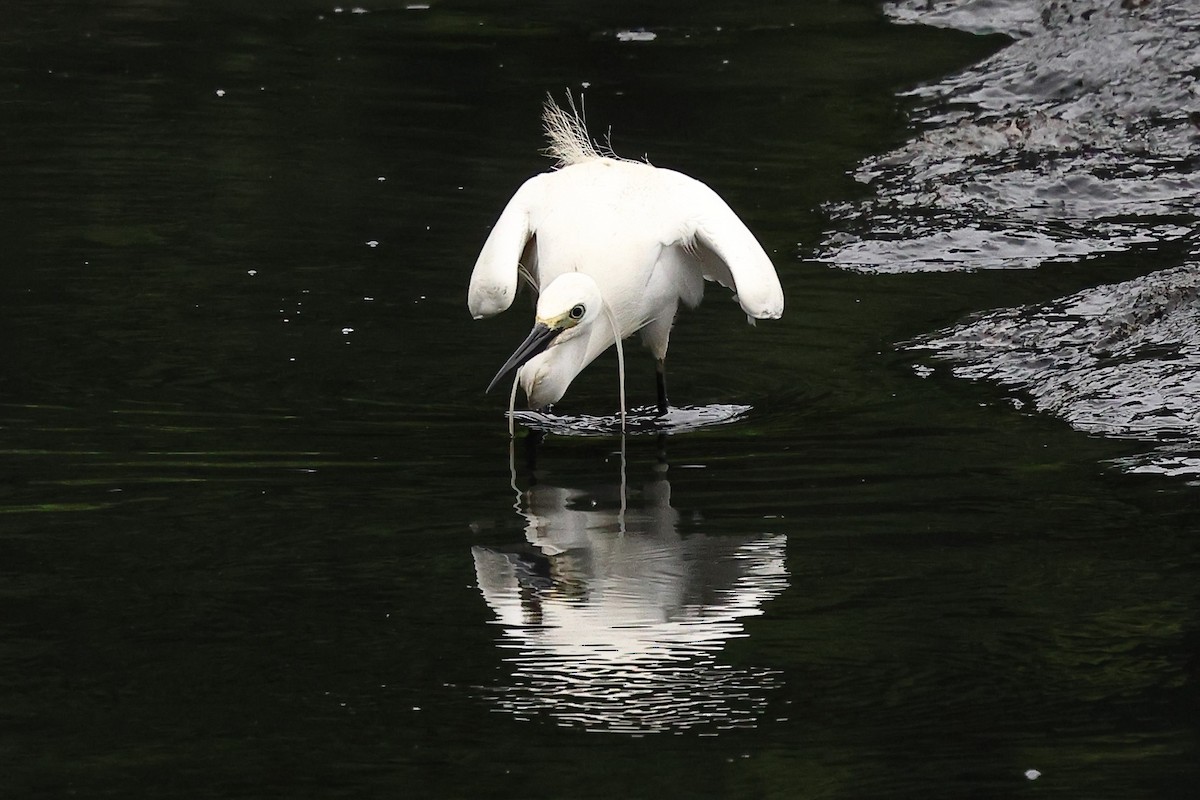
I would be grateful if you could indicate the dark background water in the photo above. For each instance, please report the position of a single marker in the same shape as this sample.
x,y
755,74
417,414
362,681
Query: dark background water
x,y
248,465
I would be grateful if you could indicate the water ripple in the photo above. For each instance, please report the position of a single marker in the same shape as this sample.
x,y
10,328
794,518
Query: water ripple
x,y
642,420
1078,138
1119,360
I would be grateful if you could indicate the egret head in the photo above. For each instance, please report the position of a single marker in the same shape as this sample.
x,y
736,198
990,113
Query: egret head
x,y
565,311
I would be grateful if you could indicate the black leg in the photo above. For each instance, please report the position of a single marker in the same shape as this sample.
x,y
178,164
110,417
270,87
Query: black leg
x,y
660,370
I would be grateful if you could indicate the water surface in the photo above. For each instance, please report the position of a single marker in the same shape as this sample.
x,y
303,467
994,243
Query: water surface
x,y
262,534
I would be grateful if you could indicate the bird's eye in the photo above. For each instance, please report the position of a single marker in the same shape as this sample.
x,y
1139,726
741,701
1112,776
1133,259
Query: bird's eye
x,y
577,311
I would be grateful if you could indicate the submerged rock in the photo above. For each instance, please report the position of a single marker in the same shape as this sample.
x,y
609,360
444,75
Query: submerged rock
x,y
1081,137
1119,360
1077,139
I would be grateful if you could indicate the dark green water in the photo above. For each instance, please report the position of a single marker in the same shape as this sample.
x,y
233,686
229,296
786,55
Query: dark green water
x,y
250,483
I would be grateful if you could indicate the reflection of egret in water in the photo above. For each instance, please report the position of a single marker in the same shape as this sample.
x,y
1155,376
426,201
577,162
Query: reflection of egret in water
x,y
614,621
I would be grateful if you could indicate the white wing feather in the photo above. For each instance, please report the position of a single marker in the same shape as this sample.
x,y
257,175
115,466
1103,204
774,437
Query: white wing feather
x,y
494,279
726,251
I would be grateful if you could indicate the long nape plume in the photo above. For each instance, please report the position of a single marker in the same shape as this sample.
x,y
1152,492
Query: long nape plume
x,y
612,320
512,406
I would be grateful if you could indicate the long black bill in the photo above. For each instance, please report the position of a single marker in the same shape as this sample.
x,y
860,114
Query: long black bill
x,y
538,340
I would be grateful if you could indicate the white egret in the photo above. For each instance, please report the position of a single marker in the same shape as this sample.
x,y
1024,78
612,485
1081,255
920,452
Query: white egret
x,y
611,246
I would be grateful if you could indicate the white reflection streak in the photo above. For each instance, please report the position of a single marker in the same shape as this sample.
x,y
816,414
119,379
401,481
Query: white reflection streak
x,y
614,621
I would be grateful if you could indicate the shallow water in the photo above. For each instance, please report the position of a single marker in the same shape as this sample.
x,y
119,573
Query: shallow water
x,y
1077,141
263,535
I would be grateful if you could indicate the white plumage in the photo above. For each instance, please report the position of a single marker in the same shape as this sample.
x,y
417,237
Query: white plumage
x,y
610,243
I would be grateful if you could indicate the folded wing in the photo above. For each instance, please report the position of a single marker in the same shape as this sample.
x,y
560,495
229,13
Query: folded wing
x,y
725,250
508,248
